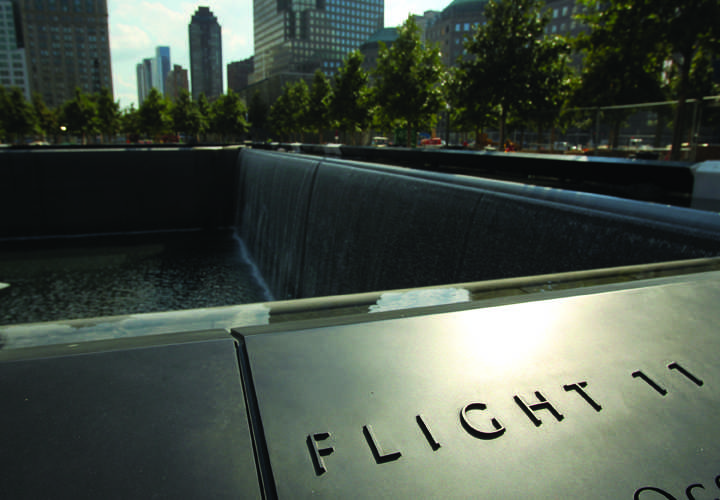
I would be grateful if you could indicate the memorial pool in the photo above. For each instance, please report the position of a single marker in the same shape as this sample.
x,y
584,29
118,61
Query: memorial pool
x,y
85,277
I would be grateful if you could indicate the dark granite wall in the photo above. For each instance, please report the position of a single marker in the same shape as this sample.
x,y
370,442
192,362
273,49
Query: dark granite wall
x,y
324,227
69,192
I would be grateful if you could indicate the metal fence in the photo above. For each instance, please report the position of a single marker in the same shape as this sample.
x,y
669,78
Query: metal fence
x,y
644,129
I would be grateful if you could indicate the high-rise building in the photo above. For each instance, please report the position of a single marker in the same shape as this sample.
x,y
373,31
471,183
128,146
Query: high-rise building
x,y
176,80
13,65
300,36
144,79
205,54
162,68
67,46
238,74
152,73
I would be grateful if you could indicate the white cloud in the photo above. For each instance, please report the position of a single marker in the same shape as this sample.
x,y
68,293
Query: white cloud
x,y
127,39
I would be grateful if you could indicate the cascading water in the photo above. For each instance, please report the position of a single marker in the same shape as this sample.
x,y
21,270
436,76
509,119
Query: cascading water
x,y
254,270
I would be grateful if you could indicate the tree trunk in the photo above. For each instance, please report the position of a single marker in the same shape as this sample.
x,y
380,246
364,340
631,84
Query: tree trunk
x,y
503,117
679,123
615,134
659,126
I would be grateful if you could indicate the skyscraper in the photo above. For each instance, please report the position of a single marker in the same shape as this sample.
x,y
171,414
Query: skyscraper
x,y
205,54
300,36
162,68
144,79
13,65
67,46
153,72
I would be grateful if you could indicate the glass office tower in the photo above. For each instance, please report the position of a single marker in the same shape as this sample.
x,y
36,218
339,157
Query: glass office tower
x,y
300,36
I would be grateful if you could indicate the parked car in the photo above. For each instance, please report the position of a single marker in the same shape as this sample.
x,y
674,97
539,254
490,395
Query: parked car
x,y
434,142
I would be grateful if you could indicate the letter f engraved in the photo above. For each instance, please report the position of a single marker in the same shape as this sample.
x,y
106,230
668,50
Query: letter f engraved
x,y
317,453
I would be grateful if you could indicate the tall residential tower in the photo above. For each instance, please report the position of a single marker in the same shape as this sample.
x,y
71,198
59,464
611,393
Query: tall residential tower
x,y
205,54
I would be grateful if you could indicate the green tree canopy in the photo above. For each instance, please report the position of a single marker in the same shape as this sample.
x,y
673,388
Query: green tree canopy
x,y
288,114
16,114
620,63
319,104
349,105
229,114
130,123
46,118
279,116
108,114
186,117
512,65
299,107
154,115
79,115
630,43
408,81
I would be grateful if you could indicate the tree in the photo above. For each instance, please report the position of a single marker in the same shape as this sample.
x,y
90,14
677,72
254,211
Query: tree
x,y
79,115
631,41
154,115
299,107
688,28
469,109
620,66
257,114
409,81
186,117
16,114
319,105
349,105
203,107
289,112
130,123
512,64
46,119
108,114
229,114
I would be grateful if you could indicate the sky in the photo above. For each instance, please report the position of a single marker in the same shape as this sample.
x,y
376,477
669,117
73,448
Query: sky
x,y
138,26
